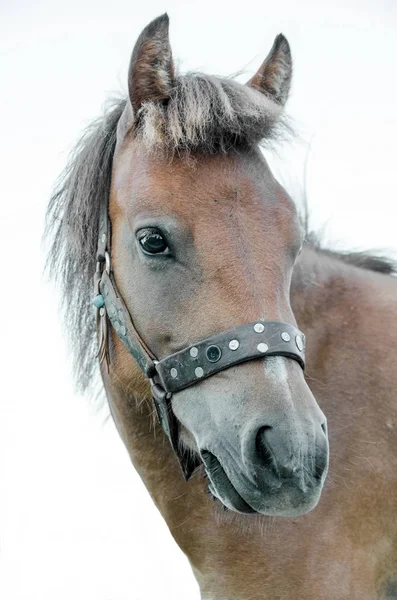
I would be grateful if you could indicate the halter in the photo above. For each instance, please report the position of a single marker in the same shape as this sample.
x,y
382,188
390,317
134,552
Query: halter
x,y
192,364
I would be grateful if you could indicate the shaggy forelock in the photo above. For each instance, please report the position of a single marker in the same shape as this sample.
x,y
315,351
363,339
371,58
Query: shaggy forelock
x,y
208,114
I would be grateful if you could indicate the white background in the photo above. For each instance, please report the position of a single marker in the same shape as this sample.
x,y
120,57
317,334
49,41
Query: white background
x,y
75,520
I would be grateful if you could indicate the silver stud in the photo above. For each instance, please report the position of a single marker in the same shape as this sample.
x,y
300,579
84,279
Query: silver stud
x,y
259,327
193,352
199,372
123,330
174,373
262,347
111,309
299,342
285,336
234,344
116,325
103,238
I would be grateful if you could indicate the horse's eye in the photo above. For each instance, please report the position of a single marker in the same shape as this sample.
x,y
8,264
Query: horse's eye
x,y
152,241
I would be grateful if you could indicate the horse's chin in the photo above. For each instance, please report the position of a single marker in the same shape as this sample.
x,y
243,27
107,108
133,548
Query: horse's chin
x,y
286,501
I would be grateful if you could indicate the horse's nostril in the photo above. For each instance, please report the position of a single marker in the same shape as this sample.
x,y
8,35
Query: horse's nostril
x,y
262,449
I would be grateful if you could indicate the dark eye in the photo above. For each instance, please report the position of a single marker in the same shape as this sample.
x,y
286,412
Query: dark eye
x,y
152,241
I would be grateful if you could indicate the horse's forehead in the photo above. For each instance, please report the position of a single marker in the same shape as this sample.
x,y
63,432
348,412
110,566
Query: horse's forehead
x,y
141,181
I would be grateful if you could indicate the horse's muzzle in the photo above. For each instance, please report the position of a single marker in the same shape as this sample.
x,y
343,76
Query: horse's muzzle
x,y
275,480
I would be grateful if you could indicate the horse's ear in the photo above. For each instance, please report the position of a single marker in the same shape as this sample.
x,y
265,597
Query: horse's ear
x,y
151,70
273,77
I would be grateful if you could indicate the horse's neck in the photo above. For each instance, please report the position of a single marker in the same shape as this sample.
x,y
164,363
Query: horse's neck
x,y
325,288
318,282
349,315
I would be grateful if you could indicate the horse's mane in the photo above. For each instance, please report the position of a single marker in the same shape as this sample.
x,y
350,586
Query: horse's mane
x,y
364,259
72,223
229,115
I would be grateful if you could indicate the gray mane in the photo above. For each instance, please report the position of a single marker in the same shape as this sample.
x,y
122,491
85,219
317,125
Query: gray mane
x,y
72,225
370,261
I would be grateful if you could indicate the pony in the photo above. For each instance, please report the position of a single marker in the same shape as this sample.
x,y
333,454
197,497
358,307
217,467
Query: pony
x,y
288,488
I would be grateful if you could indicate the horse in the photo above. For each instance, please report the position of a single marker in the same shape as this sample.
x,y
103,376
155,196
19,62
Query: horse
x,y
169,216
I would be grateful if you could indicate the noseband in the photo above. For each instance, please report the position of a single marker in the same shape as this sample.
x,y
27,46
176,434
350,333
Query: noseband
x,y
192,364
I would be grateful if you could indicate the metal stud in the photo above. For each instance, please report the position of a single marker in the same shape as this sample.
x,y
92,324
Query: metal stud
x,y
262,347
299,343
111,309
103,238
116,325
259,328
121,315
198,372
285,336
123,330
193,352
234,344
213,353
174,373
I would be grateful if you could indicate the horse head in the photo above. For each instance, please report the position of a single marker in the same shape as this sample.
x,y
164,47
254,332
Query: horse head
x,y
205,239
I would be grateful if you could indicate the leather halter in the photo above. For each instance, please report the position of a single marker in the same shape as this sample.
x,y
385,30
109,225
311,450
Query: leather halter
x,y
192,364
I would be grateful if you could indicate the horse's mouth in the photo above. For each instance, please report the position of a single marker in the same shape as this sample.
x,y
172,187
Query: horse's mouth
x,y
221,487
288,500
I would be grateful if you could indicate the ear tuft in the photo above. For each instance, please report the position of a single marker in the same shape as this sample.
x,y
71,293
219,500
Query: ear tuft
x,y
151,70
273,77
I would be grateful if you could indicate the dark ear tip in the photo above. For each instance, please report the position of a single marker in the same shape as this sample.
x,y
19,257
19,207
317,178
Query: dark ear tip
x,y
281,43
161,22
157,28
163,19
